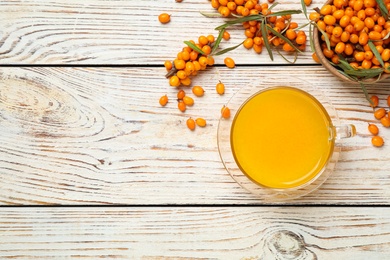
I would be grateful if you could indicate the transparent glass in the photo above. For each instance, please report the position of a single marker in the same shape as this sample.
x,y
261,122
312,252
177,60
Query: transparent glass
x,y
336,132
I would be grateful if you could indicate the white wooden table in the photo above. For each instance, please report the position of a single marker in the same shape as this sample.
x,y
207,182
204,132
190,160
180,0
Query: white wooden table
x,y
92,166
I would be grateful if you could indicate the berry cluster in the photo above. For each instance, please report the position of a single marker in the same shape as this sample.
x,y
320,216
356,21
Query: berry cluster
x,y
278,30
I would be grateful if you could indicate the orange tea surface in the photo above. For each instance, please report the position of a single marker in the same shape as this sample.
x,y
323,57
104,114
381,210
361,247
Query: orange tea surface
x,y
280,137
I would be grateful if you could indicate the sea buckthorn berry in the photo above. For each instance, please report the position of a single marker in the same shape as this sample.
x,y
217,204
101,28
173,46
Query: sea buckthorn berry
x,y
180,94
248,43
314,16
164,18
226,35
385,121
203,61
326,9
174,81
203,40
330,20
377,141
185,82
181,74
373,129
179,64
373,35
224,11
379,113
291,34
168,65
181,106
385,54
287,47
337,31
189,101
191,124
374,101
344,21
163,100
198,91
200,122
225,112
229,62
315,57
220,88
340,47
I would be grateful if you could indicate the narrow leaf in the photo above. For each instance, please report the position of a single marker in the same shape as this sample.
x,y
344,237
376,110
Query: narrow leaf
x,y
194,47
284,57
264,34
311,37
273,5
252,17
210,15
376,53
218,41
227,49
286,12
304,8
383,9
366,93
325,37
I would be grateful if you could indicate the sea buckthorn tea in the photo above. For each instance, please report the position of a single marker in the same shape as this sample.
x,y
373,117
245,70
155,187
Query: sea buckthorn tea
x,y
281,137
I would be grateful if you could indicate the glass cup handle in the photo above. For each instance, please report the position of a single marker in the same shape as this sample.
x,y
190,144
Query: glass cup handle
x,y
343,131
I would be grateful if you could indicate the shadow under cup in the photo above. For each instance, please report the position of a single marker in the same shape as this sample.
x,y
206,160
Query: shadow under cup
x,y
281,143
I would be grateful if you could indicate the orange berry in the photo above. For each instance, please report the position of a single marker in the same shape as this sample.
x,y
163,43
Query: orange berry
x,y
174,81
164,18
315,57
377,141
168,65
180,94
220,88
191,124
385,121
189,101
373,129
229,62
226,35
375,101
248,43
379,113
200,122
181,106
225,112
163,100
198,91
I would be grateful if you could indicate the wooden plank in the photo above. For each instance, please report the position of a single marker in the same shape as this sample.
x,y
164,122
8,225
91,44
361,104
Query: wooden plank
x,y
99,136
195,233
115,32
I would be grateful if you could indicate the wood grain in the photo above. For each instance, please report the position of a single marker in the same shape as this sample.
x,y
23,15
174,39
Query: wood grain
x,y
99,136
115,32
195,233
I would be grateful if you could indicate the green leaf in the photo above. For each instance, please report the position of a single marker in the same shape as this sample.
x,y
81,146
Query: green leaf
x,y
264,33
211,15
273,5
304,8
365,73
194,47
286,12
311,37
284,38
366,93
292,62
376,53
218,41
227,49
252,17
325,37
383,9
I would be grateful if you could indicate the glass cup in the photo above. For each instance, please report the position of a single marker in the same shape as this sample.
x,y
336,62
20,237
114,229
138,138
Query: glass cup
x,y
282,140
